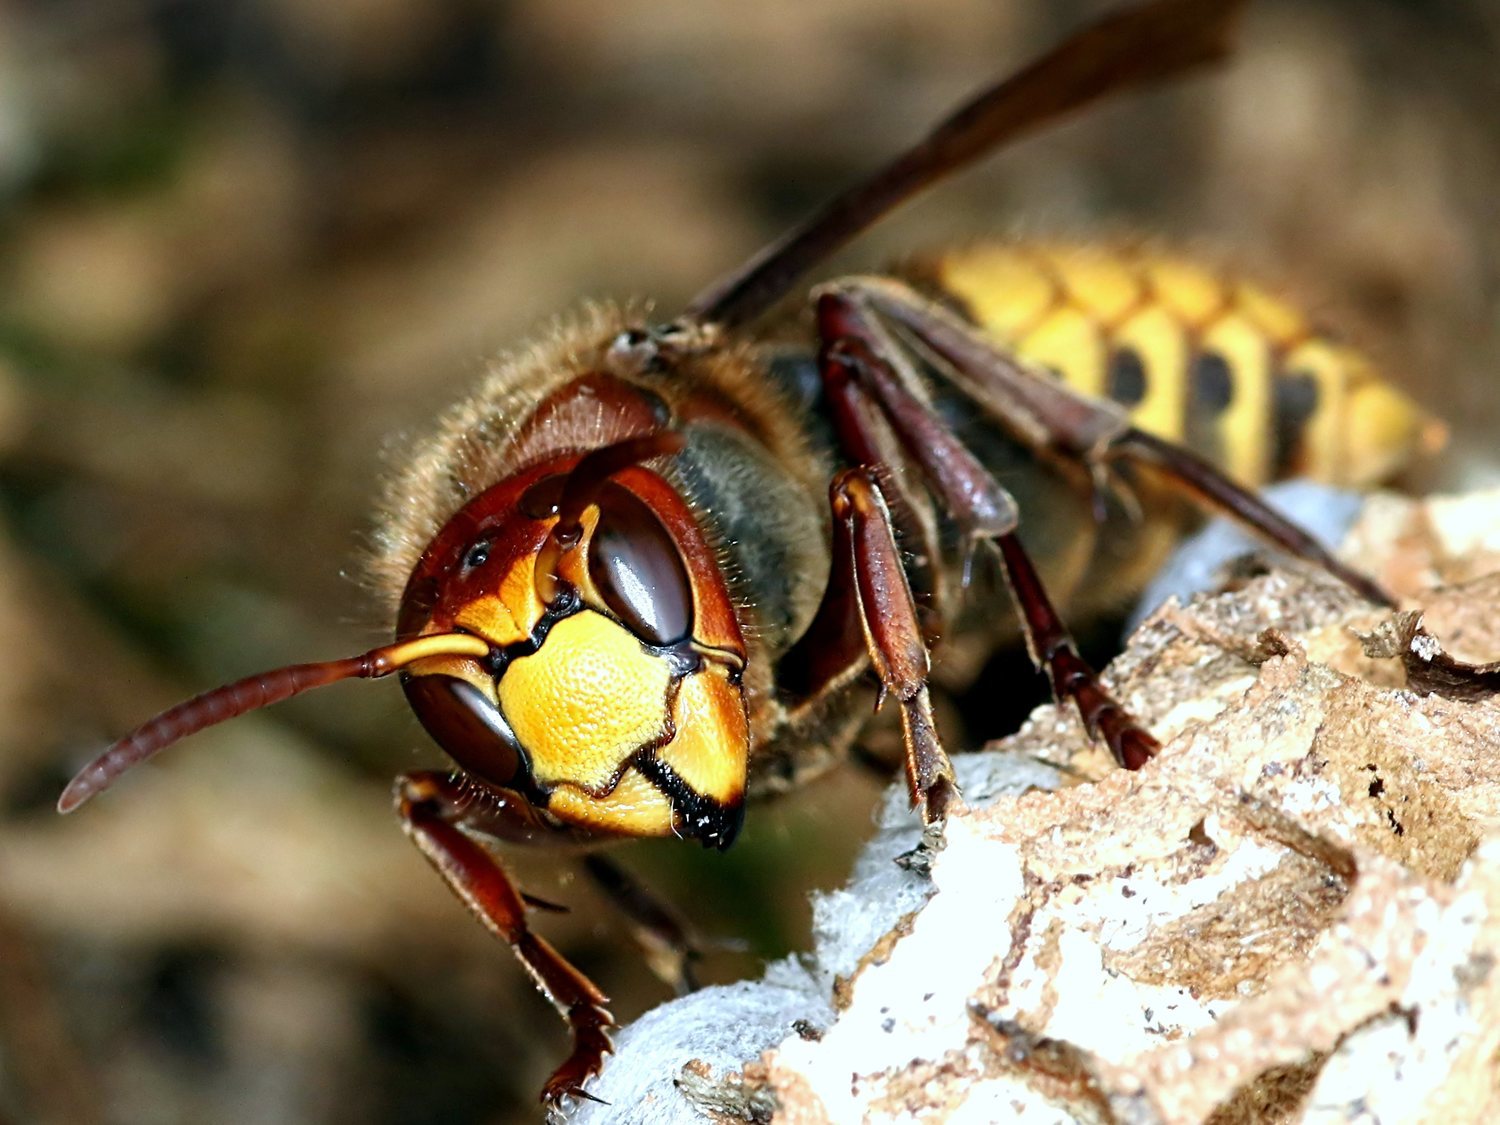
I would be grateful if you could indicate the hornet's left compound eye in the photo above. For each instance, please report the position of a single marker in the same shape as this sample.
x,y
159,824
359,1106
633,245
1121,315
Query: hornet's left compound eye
x,y
638,571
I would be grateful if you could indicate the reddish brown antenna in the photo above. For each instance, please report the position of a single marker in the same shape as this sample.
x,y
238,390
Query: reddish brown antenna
x,y
251,694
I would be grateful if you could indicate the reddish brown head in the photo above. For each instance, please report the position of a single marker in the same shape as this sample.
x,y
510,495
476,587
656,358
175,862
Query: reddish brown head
x,y
611,690
566,635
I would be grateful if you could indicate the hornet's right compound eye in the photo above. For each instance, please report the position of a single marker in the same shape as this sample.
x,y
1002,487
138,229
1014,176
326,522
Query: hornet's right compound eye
x,y
638,570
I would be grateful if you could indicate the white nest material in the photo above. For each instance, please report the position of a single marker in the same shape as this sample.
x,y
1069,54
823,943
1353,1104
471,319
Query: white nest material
x,y
1293,914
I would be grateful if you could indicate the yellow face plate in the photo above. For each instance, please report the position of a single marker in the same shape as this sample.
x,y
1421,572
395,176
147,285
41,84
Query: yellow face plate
x,y
586,701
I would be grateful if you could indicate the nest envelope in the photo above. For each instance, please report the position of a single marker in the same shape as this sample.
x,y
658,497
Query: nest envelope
x,y
1292,915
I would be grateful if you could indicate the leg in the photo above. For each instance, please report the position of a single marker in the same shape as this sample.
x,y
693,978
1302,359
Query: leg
x,y
1052,648
857,377
1057,422
893,635
671,948
434,810
1213,489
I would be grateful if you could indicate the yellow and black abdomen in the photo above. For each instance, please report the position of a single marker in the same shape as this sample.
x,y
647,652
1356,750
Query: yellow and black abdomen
x,y
1205,358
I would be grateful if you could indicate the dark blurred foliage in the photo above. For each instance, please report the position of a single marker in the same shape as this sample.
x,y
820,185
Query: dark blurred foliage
x,y
244,241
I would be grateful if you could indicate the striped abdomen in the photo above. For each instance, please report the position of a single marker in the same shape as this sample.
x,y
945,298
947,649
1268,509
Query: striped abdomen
x,y
1207,359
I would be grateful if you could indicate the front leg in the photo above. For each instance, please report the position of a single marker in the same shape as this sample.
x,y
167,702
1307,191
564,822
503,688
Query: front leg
x,y
434,810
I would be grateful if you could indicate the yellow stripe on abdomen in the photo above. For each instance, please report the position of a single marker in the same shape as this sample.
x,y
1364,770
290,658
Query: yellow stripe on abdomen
x,y
1245,427
1155,339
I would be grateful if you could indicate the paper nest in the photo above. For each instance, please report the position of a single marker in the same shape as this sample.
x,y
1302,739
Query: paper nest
x,y
1293,914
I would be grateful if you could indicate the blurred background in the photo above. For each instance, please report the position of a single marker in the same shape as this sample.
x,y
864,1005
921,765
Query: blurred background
x,y
243,242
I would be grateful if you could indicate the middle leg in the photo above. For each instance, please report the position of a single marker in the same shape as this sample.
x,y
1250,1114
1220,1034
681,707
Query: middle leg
x,y
672,949
869,391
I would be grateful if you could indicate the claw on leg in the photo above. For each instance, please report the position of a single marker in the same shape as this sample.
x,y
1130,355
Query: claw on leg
x,y
434,810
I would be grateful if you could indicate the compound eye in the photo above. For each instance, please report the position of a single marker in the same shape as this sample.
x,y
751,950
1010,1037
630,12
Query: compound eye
x,y
638,570
468,726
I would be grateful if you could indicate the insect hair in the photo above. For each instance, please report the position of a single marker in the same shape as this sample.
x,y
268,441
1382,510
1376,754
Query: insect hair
x,y
472,445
